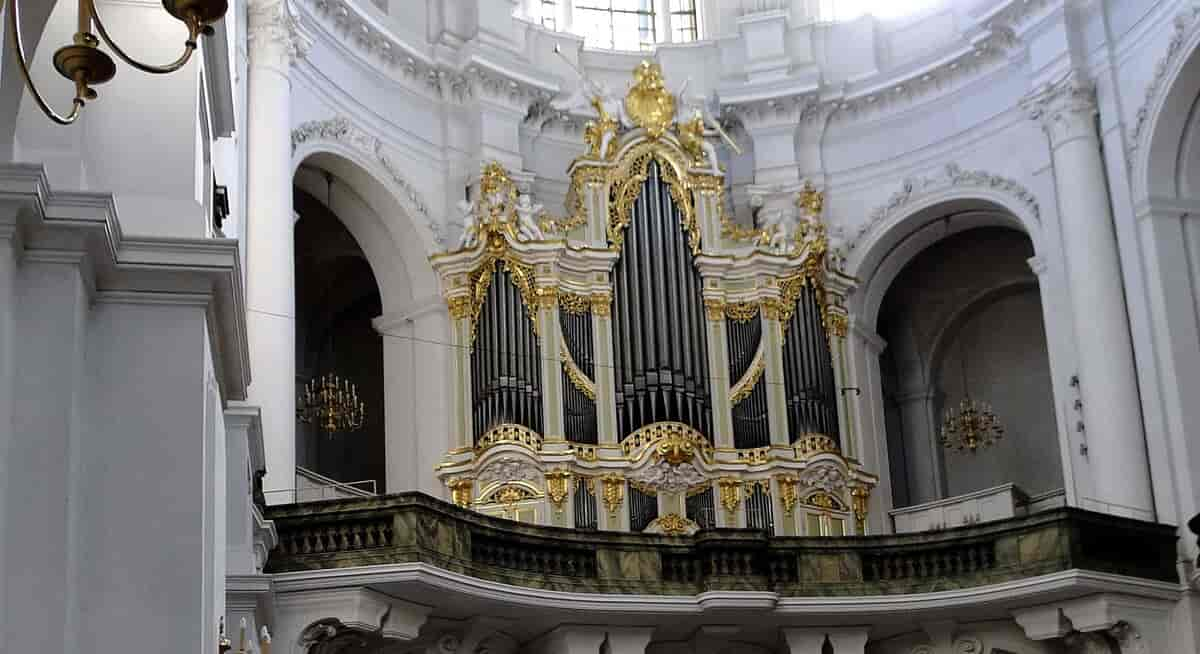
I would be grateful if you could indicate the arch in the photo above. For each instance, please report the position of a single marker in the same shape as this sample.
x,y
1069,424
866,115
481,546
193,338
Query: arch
x,y
950,328
399,261
897,240
1161,123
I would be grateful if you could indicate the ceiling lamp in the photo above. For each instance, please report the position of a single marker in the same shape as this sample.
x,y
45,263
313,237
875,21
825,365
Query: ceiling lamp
x,y
973,424
332,404
84,64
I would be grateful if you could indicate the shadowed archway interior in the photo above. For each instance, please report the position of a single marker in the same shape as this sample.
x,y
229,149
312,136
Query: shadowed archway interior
x,y
336,298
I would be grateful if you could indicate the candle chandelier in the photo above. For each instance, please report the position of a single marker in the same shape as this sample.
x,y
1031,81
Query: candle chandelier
x,y
331,403
973,424
84,64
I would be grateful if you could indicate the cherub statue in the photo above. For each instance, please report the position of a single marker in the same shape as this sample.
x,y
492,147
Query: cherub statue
x,y
692,133
470,231
780,228
527,212
599,134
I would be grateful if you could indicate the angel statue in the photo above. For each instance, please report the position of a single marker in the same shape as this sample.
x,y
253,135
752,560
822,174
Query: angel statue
x,y
779,226
527,212
692,133
608,105
469,233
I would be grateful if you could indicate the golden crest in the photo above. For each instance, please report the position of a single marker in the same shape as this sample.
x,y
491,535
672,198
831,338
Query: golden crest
x,y
649,103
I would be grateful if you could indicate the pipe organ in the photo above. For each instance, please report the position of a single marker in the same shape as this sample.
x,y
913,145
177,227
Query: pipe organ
x,y
641,363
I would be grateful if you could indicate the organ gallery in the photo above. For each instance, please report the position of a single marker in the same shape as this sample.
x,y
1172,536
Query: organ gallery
x,y
643,363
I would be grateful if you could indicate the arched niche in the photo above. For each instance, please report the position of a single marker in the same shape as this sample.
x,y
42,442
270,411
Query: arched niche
x,y
413,324
964,318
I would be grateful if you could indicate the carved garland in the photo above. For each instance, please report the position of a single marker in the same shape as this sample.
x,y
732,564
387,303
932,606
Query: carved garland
x,y
745,386
576,376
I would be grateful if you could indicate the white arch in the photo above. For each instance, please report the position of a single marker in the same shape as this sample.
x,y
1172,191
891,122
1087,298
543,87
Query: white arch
x,y
392,234
894,242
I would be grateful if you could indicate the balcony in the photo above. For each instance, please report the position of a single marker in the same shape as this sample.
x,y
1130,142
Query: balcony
x,y
415,528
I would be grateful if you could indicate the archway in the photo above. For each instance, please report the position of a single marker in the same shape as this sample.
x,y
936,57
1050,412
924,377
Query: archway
x,y
401,331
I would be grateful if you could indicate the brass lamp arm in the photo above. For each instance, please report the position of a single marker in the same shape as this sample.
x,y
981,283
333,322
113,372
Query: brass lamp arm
x,y
81,90
194,31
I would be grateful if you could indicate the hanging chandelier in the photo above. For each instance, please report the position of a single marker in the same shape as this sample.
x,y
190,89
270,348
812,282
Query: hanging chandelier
x,y
84,64
332,404
971,426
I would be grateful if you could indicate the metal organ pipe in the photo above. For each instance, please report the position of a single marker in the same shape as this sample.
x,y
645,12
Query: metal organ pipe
x,y
505,377
660,346
808,370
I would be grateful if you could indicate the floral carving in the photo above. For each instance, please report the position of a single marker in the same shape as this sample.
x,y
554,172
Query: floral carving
x,y
509,468
1184,24
826,476
663,476
953,176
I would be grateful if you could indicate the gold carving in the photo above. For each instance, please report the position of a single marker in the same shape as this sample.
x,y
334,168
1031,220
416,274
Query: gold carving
x,y
787,492
731,488
614,493
714,308
674,524
585,452
812,444
691,137
582,178
811,200
576,376
460,490
547,297
626,181
675,437
460,306
649,103
556,487
510,434
699,488
755,456
745,386
741,311
596,131
836,323
643,488
602,305
573,303
823,500
860,495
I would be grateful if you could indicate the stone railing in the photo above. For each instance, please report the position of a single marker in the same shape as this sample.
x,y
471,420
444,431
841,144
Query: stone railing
x,y
413,527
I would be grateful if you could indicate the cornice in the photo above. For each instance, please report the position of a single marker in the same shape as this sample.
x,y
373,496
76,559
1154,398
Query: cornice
x,y
478,78
913,189
145,269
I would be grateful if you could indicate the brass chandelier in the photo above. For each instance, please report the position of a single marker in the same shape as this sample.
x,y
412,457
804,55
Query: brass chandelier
x,y
332,404
973,424
85,65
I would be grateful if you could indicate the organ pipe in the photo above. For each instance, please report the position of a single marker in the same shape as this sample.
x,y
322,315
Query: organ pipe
x,y
579,410
505,361
751,424
808,370
660,345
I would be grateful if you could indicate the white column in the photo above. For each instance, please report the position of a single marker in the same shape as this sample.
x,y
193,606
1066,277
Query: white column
x,y
718,369
926,478
1108,379
8,304
274,44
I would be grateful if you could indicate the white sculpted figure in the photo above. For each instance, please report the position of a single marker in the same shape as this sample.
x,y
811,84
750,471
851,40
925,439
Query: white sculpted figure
x,y
780,226
527,212
467,209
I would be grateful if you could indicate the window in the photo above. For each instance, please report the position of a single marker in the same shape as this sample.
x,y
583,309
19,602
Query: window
x,y
683,21
615,24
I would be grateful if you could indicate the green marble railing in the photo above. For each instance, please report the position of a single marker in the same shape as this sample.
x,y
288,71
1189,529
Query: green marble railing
x,y
413,527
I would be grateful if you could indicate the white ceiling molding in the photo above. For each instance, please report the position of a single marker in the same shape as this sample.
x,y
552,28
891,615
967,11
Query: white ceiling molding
x,y
341,130
1183,26
913,189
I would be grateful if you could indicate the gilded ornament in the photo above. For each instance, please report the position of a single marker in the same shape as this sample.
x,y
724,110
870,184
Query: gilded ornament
x,y
714,308
675,438
691,137
860,496
547,297
649,104
754,456
600,135
674,524
812,444
763,485
836,324
460,306
676,448
745,386
601,305
787,492
811,200
731,488
556,487
626,186
573,303
741,311
460,490
613,493
586,453
576,376
510,434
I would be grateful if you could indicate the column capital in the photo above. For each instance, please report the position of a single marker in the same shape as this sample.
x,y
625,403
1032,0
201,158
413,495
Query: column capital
x,y
1065,109
274,34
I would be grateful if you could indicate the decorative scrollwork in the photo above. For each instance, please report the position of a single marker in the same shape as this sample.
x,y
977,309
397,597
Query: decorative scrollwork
x,y
574,303
745,386
673,524
576,376
673,441
510,434
810,445
626,183
741,311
